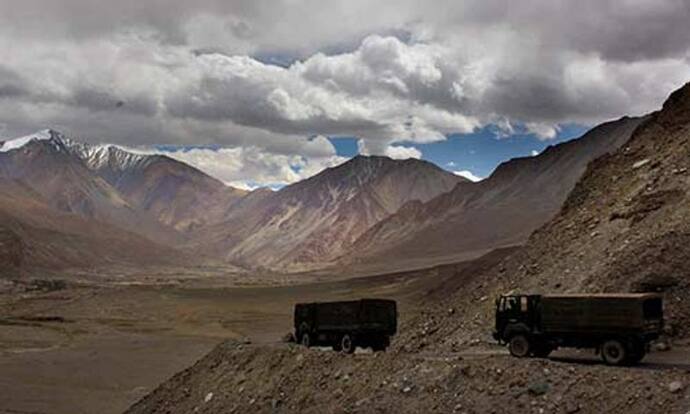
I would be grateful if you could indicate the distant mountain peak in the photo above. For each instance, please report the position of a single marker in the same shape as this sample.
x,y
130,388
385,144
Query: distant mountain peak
x,y
112,156
50,135
95,156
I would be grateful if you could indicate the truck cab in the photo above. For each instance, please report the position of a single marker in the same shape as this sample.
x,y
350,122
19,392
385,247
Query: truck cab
x,y
515,312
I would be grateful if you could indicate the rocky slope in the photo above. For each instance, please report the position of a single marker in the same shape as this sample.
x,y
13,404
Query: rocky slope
x,y
308,224
521,195
240,379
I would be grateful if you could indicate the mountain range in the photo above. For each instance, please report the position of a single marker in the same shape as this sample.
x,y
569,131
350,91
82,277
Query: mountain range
x,y
67,204
502,210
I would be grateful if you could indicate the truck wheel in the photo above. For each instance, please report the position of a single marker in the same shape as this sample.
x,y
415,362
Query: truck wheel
x,y
613,352
306,339
347,344
519,346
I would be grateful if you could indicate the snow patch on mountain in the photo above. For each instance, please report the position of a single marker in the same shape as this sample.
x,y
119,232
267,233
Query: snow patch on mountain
x,y
94,156
108,155
17,143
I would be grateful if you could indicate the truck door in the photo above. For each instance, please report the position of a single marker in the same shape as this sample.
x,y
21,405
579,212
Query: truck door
x,y
508,312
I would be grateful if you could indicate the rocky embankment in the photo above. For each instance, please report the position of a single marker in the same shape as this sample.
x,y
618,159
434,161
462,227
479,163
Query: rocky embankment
x,y
237,378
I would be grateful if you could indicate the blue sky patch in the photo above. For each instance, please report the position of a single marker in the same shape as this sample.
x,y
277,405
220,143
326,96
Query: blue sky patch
x,y
479,152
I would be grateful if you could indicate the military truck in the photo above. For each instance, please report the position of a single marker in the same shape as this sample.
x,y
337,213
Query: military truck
x,y
346,325
618,326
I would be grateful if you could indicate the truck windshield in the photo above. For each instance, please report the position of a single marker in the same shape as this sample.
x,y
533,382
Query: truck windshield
x,y
652,308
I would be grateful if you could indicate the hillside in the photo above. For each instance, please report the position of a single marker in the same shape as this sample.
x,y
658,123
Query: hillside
x,y
176,194
11,252
47,163
310,223
37,238
502,210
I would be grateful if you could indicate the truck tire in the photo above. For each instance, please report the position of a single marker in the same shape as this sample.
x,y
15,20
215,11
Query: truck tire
x,y
519,346
613,352
347,344
305,339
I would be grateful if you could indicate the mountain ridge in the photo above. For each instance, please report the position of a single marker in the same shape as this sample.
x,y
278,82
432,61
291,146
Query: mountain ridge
x,y
322,213
499,211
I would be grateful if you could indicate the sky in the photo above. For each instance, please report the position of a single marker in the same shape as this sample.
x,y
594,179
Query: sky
x,y
268,92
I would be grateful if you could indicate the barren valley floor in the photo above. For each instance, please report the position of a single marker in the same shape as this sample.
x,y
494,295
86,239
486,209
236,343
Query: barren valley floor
x,y
99,348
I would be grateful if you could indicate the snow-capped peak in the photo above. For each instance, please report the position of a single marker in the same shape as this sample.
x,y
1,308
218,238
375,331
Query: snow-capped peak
x,y
44,135
94,156
112,156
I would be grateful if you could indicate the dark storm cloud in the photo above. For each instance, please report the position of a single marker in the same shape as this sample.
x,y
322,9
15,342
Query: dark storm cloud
x,y
11,84
100,100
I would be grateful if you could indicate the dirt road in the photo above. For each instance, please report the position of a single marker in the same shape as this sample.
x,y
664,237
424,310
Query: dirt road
x,y
676,358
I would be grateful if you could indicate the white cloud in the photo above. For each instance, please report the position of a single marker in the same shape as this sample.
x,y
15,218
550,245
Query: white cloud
x,y
250,167
534,153
397,71
542,131
399,152
468,174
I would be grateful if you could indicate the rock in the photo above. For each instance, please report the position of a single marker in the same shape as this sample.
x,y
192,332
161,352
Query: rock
x,y
675,386
641,163
407,390
669,329
208,397
538,388
275,403
661,346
